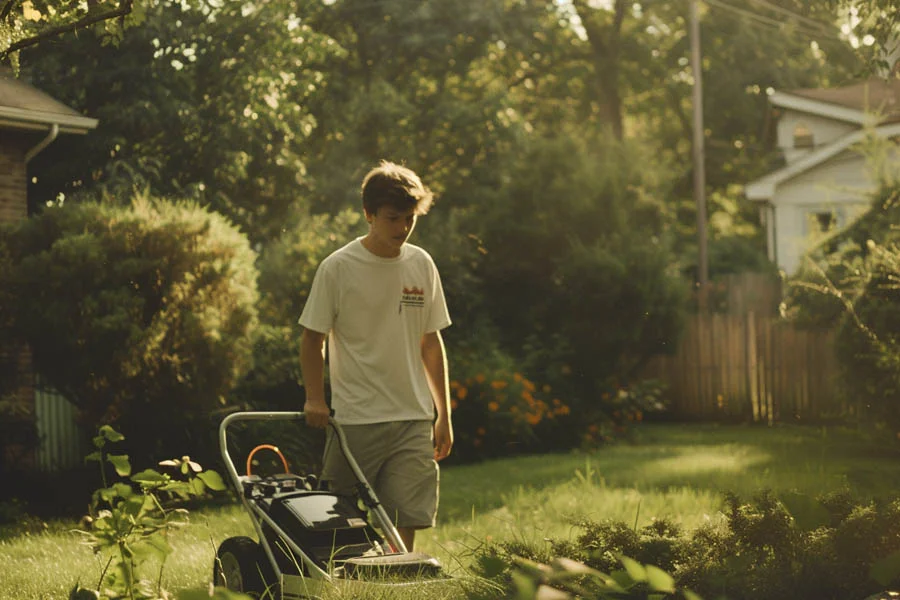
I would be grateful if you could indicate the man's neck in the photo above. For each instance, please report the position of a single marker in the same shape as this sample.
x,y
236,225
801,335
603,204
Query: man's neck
x,y
379,250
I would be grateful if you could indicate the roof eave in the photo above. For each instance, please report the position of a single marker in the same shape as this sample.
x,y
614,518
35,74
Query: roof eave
x,y
764,187
824,109
17,118
760,190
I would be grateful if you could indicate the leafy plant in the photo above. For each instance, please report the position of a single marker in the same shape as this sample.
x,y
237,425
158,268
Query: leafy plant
x,y
130,521
795,547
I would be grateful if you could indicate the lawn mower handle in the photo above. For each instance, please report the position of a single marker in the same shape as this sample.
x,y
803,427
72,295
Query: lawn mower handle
x,y
390,531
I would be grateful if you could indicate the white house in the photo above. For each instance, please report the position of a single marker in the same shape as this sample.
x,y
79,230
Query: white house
x,y
825,180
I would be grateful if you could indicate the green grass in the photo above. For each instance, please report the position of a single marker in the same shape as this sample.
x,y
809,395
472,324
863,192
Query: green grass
x,y
676,471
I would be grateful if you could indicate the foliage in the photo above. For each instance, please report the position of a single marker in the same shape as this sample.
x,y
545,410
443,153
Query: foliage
x,y
850,282
25,23
193,103
867,344
578,274
136,313
130,522
797,547
498,411
568,579
18,434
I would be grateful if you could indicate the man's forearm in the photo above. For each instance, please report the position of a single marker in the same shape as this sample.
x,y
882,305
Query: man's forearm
x,y
434,357
312,367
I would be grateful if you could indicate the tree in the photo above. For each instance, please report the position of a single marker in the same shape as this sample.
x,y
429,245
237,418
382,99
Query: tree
x,y
142,316
578,276
193,102
26,23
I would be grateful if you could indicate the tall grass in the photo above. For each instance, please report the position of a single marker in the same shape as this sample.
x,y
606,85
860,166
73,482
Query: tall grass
x,y
676,471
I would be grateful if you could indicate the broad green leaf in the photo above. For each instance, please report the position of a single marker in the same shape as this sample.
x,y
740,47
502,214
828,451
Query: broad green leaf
x,y
212,480
689,595
573,566
622,579
525,585
94,456
149,477
111,434
635,570
545,592
887,569
197,487
659,580
120,463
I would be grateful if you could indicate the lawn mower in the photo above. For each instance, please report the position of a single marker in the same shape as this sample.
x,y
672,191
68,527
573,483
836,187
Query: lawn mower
x,y
308,536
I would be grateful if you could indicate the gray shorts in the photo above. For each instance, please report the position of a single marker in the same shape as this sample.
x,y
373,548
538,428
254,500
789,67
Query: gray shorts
x,y
398,462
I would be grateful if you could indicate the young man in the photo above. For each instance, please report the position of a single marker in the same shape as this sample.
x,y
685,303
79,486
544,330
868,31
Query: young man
x,y
380,303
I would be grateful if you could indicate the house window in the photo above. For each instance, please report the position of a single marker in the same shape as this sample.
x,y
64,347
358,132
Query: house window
x,y
803,136
822,221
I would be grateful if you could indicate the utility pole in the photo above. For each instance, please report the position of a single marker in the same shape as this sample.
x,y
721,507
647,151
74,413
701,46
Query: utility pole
x,y
699,157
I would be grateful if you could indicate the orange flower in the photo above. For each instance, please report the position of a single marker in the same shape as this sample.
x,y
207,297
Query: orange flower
x,y
639,416
454,404
493,406
527,397
462,392
480,378
481,431
454,384
528,385
498,384
533,419
517,377
546,388
566,370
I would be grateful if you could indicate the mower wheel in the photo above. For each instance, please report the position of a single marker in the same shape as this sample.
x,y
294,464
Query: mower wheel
x,y
242,566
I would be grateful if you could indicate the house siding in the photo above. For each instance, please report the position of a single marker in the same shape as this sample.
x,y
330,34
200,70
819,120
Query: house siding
x,y
824,131
841,185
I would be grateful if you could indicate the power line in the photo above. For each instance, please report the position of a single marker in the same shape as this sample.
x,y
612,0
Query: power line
x,y
792,14
771,23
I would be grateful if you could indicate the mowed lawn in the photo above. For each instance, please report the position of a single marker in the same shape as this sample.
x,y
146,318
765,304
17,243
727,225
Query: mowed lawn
x,y
675,471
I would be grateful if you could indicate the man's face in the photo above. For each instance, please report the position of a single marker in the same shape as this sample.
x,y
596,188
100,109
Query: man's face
x,y
392,227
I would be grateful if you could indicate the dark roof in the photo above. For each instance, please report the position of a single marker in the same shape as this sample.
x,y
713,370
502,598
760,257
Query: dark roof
x,y
23,106
872,95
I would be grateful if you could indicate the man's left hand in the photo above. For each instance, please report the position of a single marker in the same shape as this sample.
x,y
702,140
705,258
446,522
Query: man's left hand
x,y
443,438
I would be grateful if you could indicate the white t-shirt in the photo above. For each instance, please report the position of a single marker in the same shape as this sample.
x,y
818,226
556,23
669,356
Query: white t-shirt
x,y
375,311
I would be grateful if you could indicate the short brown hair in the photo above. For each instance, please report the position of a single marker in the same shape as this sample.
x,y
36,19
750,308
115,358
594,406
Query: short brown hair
x,y
390,184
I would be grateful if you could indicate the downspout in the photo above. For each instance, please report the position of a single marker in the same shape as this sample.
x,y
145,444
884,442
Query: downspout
x,y
774,233
54,131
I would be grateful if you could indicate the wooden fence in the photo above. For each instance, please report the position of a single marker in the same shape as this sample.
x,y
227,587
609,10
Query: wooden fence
x,y
751,367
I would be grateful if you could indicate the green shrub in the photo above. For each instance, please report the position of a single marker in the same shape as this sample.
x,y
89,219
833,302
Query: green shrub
x,y
498,410
578,274
761,550
867,343
141,315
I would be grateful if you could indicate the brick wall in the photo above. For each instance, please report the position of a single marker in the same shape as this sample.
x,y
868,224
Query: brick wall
x,y
14,206
13,182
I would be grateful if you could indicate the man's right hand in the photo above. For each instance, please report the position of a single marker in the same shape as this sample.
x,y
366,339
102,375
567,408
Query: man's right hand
x,y
316,413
